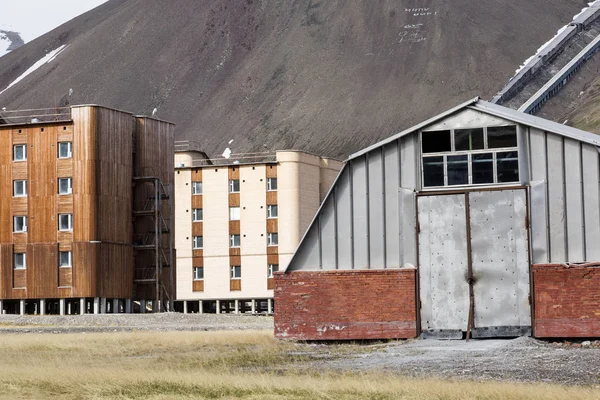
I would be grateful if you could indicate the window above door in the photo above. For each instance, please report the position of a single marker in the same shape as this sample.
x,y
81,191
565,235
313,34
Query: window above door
x,y
469,157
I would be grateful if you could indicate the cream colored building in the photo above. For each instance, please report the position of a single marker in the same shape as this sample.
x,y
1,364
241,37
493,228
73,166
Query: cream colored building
x,y
240,219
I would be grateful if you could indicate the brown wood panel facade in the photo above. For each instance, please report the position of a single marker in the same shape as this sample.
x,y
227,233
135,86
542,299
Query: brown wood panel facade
x,y
235,285
197,286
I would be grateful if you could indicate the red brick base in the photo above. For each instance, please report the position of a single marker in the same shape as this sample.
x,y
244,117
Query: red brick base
x,y
346,305
567,300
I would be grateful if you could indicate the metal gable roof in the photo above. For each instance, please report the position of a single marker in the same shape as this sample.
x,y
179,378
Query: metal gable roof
x,y
498,111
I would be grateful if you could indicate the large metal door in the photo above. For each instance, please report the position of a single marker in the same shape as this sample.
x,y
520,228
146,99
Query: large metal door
x,y
475,244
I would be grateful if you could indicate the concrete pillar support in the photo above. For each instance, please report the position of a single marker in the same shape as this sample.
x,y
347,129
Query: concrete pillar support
x,y
142,306
270,306
200,307
218,307
253,302
61,306
116,306
96,305
22,307
185,307
69,307
237,307
82,306
1,307
43,307
128,308
103,305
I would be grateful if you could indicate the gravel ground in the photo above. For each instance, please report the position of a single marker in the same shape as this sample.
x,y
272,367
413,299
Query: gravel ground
x,y
522,359
132,322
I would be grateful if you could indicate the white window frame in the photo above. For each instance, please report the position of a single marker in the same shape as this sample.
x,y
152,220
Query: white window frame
x,y
272,268
469,154
270,184
69,150
195,275
232,274
234,213
232,241
24,223
22,265
24,148
270,213
69,254
232,188
69,186
197,188
195,240
195,213
24,187
272,239
69,222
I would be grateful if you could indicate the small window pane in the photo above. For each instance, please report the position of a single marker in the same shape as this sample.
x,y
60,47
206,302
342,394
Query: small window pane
x,y
197,215
234,213
272,239
502,136
272,211
458,170
433,171
507,165
20,188
197,242
198,273
20,224
468,139
271,184
65,150
234,240
65,186
196,187
20,152
272,268
436,142
483,168
65,222
20,261
64,259
234,186
236,272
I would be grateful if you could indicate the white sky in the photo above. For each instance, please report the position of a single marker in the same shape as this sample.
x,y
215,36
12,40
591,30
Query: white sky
x,y
33,18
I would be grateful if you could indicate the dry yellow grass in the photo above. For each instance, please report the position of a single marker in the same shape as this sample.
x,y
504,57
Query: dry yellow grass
x,y
214,365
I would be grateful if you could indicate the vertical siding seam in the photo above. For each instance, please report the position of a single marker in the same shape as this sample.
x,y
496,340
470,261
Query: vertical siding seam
x,y
565,202
400,210
368,208
547,190
335,228
383,209
581,187
351,186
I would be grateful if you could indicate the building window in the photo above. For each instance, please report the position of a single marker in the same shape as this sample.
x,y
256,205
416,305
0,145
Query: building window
x,y
197,242
271,184
196,188
461,157
198,273
197,215
272,268
19,224
65,222
65,259
65,185
65,149
20,261
20,152
236,272
20,188
272,211
234,186
234,240
234,213
272,239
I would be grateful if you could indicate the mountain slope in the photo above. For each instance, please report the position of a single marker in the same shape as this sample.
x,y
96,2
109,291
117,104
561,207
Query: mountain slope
x,y
326,77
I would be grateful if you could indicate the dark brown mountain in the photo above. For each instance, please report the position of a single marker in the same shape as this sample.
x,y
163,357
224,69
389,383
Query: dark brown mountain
x,y
324,76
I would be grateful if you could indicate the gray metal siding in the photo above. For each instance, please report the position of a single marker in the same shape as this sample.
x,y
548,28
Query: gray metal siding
x,y
591,200
376,201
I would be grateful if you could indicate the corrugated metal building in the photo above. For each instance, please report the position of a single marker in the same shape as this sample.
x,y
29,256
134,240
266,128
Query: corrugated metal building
x,y
481,221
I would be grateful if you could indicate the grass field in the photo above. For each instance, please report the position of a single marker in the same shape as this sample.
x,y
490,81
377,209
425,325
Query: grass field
x,y
216,365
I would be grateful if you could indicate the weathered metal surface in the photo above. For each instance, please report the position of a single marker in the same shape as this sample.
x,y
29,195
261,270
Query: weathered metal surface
x,y
328,235
443,262
591,200
574,201
539,222
360,214
501,331
500,254
442,334
376,210
392,206
344,221
556,199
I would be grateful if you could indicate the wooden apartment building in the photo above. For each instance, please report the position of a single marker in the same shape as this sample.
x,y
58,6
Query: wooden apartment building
x,y
85,220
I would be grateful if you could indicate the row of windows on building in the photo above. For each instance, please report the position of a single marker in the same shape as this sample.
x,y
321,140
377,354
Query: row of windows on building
x,y
65,150
65,223
65,260
235,241
65,186
234,186
234,213
235,272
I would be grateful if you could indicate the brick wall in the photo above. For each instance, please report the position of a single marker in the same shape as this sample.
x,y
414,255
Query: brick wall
x,y
567,300
345,305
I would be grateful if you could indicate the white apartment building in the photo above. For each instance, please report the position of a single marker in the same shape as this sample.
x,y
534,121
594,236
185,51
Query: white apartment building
x,y
238,220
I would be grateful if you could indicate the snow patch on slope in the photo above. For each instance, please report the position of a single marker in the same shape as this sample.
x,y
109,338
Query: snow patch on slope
x,y
48,58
